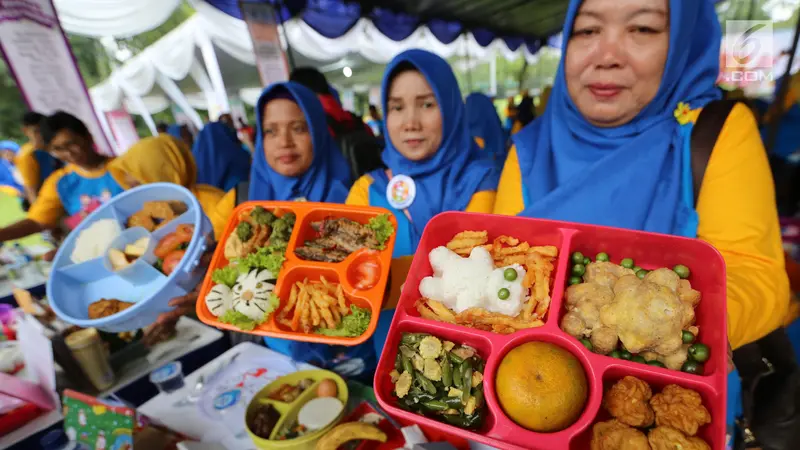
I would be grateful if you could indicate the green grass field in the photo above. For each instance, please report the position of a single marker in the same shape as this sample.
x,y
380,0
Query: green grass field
x,y
10,212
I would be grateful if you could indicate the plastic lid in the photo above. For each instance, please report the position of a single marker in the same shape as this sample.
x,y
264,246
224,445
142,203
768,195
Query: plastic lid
x,y
54,440
166,372
82,338
319,412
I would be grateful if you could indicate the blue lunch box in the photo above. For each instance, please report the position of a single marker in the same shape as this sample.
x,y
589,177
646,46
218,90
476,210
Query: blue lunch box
x,y
72,287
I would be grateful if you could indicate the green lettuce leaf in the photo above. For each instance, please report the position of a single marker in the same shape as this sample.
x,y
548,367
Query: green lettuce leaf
x,y
352,325
382,227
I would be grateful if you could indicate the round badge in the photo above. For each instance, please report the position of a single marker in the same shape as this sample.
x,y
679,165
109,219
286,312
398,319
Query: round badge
x,y
401,191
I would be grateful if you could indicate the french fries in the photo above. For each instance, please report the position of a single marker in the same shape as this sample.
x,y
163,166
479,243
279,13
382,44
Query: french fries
x,y
314,304
539,263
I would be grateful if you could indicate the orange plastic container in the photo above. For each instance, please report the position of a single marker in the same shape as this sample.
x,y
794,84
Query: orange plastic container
x,y
649,250
296,269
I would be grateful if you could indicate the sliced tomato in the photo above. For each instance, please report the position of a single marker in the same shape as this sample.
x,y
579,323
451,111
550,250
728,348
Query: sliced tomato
x,y
367,274
172,260
169,243
185,230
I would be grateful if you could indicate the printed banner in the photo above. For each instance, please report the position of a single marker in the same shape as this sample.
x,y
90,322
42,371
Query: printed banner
x,y
262,23
123,129
39,58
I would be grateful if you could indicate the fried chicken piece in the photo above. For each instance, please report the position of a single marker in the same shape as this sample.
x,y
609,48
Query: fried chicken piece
x,y
605,273
234,248
664,277
681,409
142,219
675,361
583,304
628,400
666,438
604,340
107,307
613,435
687,294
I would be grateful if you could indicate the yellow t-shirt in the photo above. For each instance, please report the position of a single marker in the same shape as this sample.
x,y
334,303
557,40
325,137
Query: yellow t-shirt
x,y
481,202
27,166
737,215
222,212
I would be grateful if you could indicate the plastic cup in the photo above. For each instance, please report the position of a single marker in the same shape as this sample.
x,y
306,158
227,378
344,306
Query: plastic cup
x,y
90,352
168,378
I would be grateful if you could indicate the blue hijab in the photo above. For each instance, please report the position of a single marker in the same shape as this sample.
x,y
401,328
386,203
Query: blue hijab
x,y
221,160
328,177
632,176
485,123
174,130
447,180
7,177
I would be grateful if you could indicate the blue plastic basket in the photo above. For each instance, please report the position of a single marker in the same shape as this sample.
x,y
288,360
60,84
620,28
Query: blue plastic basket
x,y
71,287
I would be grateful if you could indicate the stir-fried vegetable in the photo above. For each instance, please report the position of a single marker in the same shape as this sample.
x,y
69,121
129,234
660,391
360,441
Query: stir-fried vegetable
x,y
439,379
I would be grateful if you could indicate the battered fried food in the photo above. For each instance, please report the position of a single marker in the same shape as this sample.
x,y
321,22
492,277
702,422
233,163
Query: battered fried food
x,y
614,435
628,401
107,307
666,438
463,243
156,214
681,409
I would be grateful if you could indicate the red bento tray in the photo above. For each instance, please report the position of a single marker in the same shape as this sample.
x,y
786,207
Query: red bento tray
x,y
649,250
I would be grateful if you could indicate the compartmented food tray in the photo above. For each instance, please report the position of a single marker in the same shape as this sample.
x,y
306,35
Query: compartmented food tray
x,y
289,411
72,287
650,251
296,269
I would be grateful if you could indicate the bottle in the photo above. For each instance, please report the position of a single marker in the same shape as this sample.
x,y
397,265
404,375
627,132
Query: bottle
x,y
57,440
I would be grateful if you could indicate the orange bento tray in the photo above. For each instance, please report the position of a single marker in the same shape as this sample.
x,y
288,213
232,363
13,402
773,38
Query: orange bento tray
x,y
295,269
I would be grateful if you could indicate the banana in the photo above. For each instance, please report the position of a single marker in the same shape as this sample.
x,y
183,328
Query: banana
x,y
348,432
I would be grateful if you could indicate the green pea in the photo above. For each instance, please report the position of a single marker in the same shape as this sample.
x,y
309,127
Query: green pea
x,y
586,261
626,355
687,337
636,269
642,273
656,363
578,270
510,274
577,258
692,367
588,344
627,263
503,294
682,271
699,352
616,354
639,359
602,256
575,280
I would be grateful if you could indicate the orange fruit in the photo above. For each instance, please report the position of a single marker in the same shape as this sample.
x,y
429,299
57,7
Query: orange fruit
x,y
541,387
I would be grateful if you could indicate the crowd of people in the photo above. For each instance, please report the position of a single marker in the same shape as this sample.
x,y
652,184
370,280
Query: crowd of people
x,y
611,143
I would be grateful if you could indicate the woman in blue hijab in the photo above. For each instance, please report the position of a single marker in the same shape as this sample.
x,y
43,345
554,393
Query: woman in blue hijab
x,y
432,161
613,148
486,127
222,162
9,180
297,159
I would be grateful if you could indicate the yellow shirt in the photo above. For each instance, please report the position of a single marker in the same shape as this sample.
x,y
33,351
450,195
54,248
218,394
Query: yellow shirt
x,y
222,212
27,166
738,216
481,202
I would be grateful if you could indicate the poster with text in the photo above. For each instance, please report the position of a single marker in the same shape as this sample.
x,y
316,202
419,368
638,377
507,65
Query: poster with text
x,y
262,23
123,129
39,57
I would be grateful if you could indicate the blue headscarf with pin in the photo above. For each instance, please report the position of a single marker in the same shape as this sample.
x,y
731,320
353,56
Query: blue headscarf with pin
x,y
635,175
326,180
485,123
447,180
221,160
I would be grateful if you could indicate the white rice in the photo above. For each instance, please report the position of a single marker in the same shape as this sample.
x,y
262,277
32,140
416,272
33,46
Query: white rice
x,y
94,240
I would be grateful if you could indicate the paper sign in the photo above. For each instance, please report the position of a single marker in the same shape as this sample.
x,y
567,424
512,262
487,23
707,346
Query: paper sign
x,y
123,129
38,353
262,23
40,60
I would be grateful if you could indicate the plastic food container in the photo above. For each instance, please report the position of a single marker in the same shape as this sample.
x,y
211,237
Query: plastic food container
x,y
168,378
72,287
296,269
650,251
289,411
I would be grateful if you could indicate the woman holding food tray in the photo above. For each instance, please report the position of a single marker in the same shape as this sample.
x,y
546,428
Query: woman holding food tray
x,y
432,163
616,147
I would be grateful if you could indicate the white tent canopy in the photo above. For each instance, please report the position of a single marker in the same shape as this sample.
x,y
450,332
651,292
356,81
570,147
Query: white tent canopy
x,y
189,56
117,18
